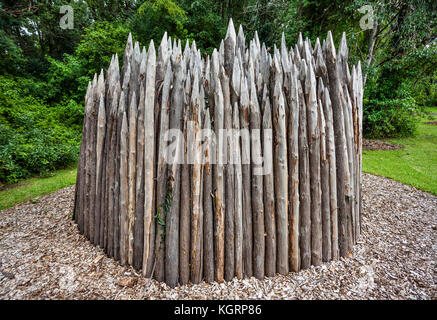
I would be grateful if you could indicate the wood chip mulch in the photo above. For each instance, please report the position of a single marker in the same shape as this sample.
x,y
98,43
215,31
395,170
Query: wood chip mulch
x,y
373,145
43,256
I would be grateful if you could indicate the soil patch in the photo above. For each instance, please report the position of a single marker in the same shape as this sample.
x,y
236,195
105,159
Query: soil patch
x,y
374,145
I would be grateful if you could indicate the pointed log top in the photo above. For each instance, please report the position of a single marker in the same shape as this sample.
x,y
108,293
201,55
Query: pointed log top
x,y
266,109
137,48
193,47
100,84
283,42
300,41
316,47
330,47
320,63
244,96
129,47
254,107
164,39
359,72
151,49
257,43
303,69
236,76
230,33
187,47
241,39
169,44
343,49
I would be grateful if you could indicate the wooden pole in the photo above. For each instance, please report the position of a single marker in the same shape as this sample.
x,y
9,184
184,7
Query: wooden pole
x,y
208,218
257,185
338,124
269,187
293,169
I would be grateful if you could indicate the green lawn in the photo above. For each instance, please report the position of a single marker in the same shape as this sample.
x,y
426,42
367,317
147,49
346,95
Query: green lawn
x,y
37,186
416,164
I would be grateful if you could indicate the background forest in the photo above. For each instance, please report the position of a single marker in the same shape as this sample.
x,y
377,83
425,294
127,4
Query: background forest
x,y
44,69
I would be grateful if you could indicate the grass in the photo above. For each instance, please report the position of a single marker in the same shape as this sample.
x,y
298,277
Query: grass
x,y
416,164
37,186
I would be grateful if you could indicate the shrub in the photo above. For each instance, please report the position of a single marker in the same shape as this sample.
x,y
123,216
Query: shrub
x,y
389,118
33,139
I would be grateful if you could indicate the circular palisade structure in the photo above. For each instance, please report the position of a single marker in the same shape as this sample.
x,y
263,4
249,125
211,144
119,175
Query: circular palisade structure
x,y
205,168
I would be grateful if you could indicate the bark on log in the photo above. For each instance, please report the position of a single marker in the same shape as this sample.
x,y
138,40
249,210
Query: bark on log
x,y
269,188
314,154
124,190
246,176
174,176
293,169
281,178
208,218
338,124
228,180
257,185
304,185
161,176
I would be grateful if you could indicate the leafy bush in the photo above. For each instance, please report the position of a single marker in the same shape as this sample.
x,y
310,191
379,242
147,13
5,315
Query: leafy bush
x,y
389,118
33,139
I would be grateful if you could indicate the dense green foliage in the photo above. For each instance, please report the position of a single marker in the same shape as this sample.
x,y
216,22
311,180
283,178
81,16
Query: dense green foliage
x,y
44,69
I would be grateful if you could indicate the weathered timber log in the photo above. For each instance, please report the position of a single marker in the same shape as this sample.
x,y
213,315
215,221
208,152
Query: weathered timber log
x,y
338,124
257,185
269,188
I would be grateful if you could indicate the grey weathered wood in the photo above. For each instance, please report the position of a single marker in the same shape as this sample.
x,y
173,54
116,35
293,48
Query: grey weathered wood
x,y
349,168
330,150
100,138
132,164
219,179
149,150
257,185
238,208
174,176
314,154
117,185
139,199
293,172
186,198
246,176
124,189
324,185
161,180
228,180
281,178
185,212
338,123
196,184
208,219
269,187
304,186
